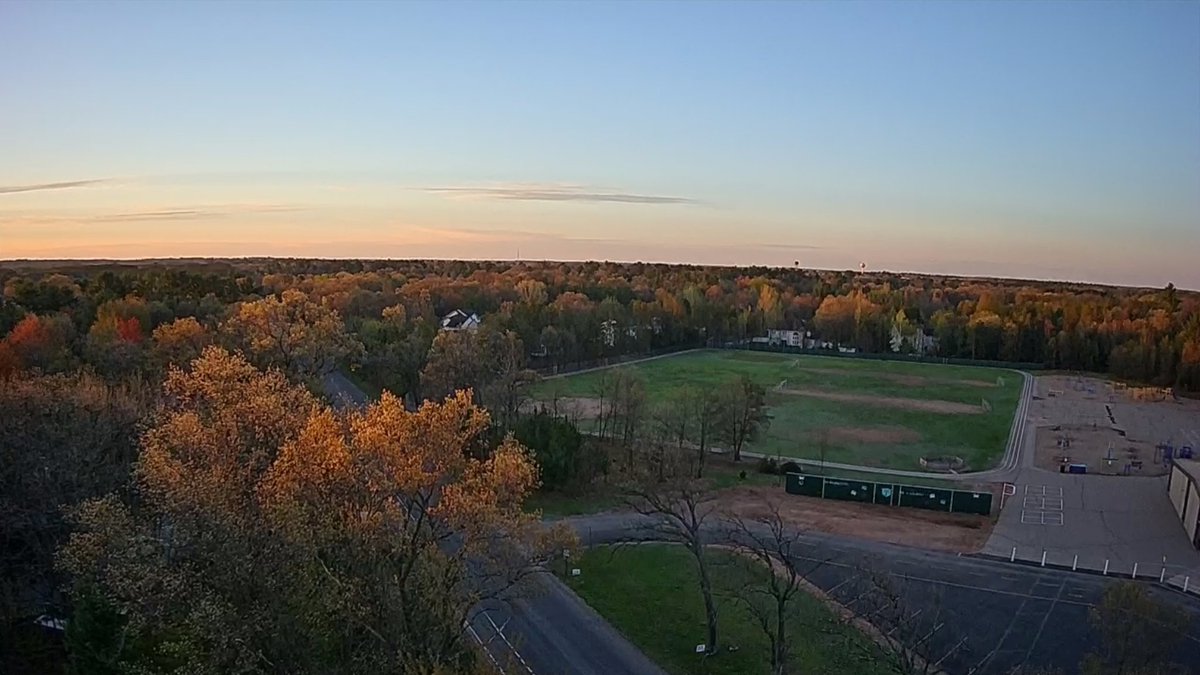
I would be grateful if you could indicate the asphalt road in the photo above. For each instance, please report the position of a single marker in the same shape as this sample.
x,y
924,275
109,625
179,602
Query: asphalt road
x,y
999,615
550,631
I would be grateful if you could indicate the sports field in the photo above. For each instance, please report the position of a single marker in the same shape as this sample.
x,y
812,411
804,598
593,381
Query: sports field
x,y
866,412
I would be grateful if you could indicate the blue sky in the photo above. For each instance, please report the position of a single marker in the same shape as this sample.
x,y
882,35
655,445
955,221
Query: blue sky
x,y
1049,140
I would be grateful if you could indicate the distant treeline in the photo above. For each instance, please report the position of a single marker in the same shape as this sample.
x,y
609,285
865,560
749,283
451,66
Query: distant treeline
x,y
569,313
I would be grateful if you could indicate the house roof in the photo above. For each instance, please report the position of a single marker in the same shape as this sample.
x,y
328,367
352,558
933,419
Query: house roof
x,y
457,318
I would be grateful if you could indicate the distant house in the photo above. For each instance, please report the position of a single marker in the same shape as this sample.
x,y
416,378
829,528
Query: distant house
x,y
792,338
914,342
460,320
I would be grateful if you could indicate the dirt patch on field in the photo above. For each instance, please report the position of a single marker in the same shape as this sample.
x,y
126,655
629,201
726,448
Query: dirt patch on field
x,y
907,380
956,532
917,404
571,407
872,435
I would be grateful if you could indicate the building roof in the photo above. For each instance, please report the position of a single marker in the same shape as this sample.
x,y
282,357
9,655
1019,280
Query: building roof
x,y
1191,468
457,318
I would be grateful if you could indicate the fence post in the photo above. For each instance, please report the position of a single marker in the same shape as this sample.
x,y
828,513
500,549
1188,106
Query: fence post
x,y
1135,570
1075,563
1013,557
1185,583
1043,557
1105,573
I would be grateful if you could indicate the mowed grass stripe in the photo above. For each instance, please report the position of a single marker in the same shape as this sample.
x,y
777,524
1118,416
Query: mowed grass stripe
x,y
801,422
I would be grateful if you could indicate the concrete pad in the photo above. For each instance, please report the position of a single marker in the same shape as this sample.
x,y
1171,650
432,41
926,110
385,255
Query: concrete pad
x,y
1120,521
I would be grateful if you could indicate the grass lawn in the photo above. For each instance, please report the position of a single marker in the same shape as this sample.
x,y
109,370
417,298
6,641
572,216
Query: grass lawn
x,y
869,431
651,594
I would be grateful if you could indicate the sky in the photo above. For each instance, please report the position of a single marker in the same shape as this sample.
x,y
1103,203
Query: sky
x,y
1028,139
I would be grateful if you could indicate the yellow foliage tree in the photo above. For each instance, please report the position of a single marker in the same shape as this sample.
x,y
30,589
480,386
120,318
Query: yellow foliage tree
x,y
298,538
292,333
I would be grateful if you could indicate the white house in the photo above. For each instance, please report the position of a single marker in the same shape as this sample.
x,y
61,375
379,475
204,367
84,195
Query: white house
x,y
460,320
793,338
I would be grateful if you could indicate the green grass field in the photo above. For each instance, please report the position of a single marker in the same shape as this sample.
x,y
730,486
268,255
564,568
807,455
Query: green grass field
x,y
651,594
941,413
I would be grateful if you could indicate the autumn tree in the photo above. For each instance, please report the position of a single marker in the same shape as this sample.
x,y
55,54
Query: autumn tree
x,y
292,333
272,532
42,342
488,361
64,438
1138,633
179,342
743,414
395,351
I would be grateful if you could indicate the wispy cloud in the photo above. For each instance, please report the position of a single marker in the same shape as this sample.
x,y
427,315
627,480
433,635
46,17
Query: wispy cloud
x,y
791,247
63,185
555,193
218,211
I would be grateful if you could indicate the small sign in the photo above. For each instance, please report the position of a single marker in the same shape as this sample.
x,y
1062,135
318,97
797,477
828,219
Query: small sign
x,y
566,553
575,572
700,648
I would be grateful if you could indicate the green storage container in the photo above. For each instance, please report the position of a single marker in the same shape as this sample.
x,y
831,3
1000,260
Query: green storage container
x,y
934,499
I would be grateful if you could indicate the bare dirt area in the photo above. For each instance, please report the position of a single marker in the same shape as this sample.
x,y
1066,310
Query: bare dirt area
x,y
1103,449
873,435
1110,425
909,380
571,407
919,405
959,533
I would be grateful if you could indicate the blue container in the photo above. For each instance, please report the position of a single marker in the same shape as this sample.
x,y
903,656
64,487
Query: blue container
x,y
1077,468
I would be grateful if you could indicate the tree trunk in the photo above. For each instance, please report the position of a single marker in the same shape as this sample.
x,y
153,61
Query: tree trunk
x,y
710,608
779,657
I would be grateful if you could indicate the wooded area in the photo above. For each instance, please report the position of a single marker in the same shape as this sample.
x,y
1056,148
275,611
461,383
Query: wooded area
x,y
60,316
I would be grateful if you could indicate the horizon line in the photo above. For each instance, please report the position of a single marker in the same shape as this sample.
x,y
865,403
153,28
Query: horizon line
x,y
855,272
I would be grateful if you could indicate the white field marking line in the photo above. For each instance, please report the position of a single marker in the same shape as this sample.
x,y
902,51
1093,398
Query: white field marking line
x,y
491,657
500,633
1052,503
951,584
623,363
1034,503
1045,619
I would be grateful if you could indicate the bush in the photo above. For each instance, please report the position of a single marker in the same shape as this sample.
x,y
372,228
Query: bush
x,y
790,467
767,465
564,457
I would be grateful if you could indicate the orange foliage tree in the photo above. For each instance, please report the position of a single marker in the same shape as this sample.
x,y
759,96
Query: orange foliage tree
x,y
275,532
291,332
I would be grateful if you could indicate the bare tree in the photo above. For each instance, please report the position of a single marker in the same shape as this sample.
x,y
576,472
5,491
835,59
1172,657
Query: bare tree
x,y
705,408
910,631
681,507
744,414
767,541
672,421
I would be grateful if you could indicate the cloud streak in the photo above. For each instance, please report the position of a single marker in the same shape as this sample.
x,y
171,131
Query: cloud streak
x,y
555,193
63,185
222,211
